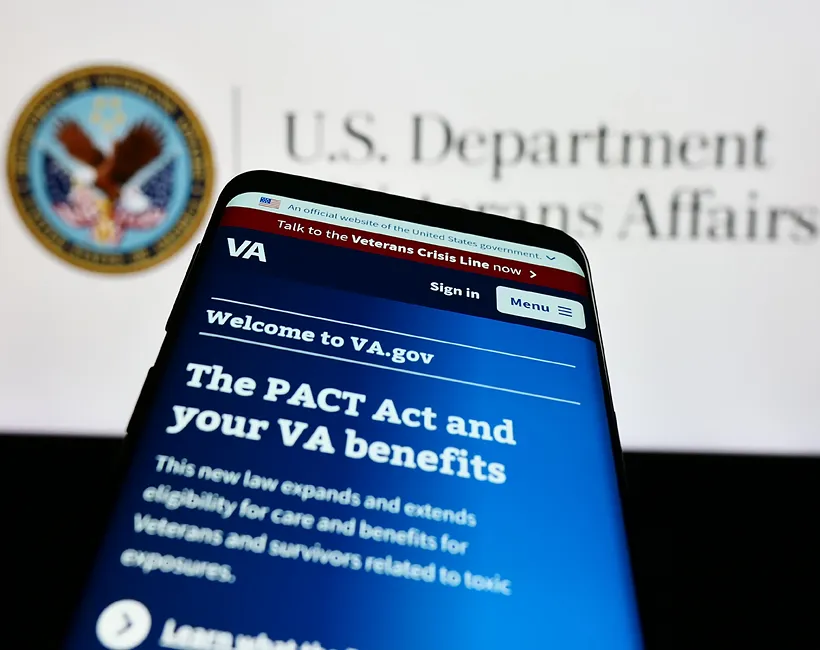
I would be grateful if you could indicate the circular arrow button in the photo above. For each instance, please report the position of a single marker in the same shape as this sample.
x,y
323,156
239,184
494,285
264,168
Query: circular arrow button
x,y
123,625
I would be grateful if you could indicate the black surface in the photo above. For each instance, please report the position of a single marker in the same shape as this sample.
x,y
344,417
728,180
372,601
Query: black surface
x,y
728,546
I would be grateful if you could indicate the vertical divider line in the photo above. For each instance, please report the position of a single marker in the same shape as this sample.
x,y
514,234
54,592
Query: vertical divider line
x,y
236,129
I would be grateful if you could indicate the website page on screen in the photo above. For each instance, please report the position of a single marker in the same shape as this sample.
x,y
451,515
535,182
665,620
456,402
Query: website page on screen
x,y
369,434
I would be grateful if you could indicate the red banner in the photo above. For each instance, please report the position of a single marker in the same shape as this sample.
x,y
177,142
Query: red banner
x,y
426,253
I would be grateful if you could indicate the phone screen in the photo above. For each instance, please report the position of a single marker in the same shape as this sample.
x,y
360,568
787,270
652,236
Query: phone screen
x,y
369,434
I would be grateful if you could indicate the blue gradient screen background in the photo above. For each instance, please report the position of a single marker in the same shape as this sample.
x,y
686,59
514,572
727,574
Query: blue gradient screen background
x,y
553,528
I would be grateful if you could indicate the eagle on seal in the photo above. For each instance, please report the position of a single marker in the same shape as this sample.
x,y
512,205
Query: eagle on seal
x,y
141,145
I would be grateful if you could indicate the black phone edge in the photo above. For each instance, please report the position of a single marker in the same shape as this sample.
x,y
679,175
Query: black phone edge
x,y
380,204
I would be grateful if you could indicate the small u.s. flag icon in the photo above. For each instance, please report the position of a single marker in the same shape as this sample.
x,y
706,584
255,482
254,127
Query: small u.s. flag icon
x,y
267,202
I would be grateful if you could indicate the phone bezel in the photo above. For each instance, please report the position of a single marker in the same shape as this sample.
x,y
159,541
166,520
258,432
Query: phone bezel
x,y
381,204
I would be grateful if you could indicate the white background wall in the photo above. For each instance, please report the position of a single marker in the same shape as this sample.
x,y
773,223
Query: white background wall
x,y
712,345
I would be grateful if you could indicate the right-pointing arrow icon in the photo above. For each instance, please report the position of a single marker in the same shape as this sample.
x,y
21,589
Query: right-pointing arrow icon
x,y
128,624
532,274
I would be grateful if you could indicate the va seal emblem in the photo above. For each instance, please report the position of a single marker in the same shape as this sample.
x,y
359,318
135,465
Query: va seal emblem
x,y
110,169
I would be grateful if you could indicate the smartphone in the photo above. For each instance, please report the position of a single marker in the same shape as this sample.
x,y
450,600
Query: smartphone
x,y
374,422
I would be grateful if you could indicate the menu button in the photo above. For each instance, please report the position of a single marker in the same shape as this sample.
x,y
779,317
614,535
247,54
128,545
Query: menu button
x,y
540,306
